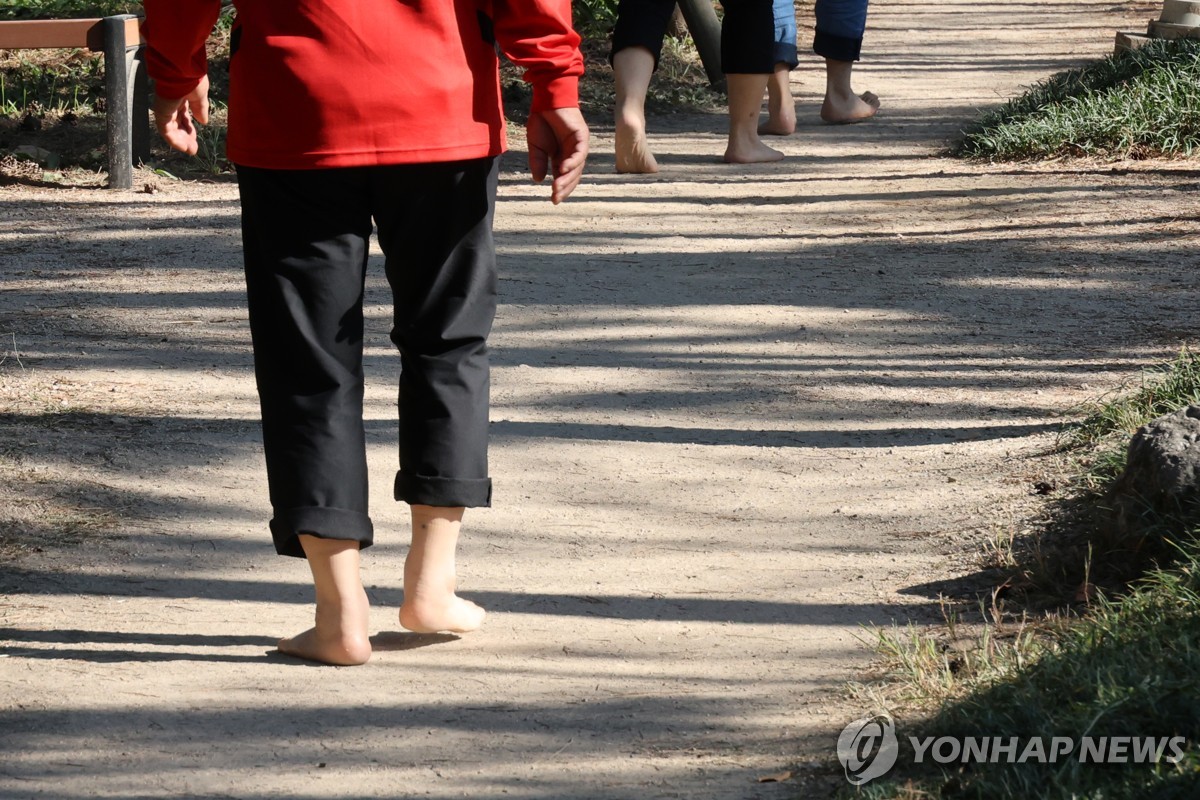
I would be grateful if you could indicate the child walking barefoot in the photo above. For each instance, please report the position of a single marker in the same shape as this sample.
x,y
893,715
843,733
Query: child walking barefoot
x,y
336,130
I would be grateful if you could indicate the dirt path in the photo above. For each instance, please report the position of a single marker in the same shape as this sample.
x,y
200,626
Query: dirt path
x,y
739,414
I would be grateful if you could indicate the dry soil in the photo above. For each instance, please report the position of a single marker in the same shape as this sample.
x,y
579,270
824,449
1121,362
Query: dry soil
x,y
739,414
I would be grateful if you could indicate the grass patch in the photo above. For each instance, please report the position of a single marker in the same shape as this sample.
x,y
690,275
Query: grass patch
x,y
1160,390
1081,546
70,81
1129,669
66,9
1119,663
1138,104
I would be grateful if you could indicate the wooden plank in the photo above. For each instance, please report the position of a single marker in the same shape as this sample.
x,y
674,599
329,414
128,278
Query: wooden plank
x,y
31,34
1166,30
1130,40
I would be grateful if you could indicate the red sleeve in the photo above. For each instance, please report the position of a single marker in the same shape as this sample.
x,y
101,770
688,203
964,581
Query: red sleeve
x,y
175,32
537,35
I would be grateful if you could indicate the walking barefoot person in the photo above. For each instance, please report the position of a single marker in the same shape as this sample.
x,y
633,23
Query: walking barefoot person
x,y
840,28
344,113
747,58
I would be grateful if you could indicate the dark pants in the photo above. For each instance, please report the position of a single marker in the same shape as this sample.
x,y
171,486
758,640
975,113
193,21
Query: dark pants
x,y
840,26
305,236
747,32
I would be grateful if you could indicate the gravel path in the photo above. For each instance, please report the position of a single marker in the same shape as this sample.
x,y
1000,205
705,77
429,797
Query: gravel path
x,y
739,413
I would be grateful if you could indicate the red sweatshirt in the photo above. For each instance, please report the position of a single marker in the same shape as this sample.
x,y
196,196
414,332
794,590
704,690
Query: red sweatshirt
x,y
341,83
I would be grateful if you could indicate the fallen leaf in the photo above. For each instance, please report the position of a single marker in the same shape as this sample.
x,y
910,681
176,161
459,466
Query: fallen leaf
x,y
777,777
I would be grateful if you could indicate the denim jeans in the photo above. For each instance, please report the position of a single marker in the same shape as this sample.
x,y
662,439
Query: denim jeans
x,y
840,26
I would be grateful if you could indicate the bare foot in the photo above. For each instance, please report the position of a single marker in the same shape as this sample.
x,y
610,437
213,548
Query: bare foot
x,y
430,576
339,636
421,614
632,69
633,152
840,110
782,124
750,152
745,104
781,106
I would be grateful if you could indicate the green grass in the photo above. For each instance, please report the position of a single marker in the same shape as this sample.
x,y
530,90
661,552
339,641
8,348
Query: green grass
x,y
35,83
1138,104
1131,668
65,9
1128,665
73,82
1161,389
1081,546
594,19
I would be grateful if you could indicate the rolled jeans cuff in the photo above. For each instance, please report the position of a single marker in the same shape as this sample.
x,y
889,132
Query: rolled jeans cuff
x,y
421,490
836,48
322,522
785,53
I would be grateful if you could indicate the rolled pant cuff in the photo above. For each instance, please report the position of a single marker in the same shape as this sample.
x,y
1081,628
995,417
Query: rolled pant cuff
x,y
760,63
836,48
326,523
786,54
651,43
419,490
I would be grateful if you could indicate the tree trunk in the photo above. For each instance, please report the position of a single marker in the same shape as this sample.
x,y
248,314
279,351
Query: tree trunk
x,y
706,33
678,26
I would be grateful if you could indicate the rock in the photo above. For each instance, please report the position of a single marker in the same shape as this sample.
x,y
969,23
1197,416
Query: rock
x,y
30,151
1162,471
39,155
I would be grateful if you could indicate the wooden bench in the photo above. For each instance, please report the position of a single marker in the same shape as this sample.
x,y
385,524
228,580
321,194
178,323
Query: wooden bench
x,y
126,90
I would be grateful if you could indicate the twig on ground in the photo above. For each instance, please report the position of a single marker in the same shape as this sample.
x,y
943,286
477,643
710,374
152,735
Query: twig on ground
x,y
13,353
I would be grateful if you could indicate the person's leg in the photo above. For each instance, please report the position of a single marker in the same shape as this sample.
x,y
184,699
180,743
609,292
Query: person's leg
x,y
430,575
781,106
840,27
841,103
745,103
305,244
632,68
435,228
339,634
637,43
748,59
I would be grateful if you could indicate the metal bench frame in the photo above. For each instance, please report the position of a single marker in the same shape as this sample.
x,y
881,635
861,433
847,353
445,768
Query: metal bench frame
x,y
126,88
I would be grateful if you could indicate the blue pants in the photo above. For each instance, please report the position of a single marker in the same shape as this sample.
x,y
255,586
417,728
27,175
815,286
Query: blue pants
x,y
840,26
785,33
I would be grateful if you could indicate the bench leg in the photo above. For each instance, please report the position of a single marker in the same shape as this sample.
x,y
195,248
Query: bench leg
x,y
127,109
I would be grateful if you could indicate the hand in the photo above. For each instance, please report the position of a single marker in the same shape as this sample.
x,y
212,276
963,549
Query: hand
x,y
558,146
174,118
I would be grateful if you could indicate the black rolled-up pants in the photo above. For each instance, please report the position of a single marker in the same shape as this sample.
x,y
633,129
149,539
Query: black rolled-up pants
x,y
305,237
747,32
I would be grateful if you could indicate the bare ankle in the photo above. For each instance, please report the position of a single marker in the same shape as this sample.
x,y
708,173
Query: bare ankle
x,y
339,635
